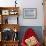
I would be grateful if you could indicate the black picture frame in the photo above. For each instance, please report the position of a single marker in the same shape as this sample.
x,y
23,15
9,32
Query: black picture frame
x,y
29,13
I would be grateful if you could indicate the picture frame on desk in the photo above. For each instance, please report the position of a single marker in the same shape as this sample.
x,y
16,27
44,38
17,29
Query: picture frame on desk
x,y
0,36
5,12
13,12
13,20
10,19
29,13
0,19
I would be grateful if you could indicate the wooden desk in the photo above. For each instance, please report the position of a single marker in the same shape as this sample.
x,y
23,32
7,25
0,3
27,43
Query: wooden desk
x,y
0,43
9,43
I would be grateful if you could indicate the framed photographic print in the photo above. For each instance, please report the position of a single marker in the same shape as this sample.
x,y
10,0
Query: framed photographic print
x,y
5,12
12,20
6,34
0,19
0,36
30,13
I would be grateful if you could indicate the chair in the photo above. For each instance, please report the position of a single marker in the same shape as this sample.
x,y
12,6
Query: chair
x,y
28,34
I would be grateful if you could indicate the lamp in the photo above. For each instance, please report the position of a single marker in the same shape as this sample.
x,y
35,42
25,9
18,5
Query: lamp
x,y
15,37
15,30
15,3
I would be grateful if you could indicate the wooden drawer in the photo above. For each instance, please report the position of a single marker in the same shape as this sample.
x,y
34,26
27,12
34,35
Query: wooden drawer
x,y
0,43
9,43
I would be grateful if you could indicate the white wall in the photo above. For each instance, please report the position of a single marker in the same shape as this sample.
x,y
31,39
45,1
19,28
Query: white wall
x,y
33,4
7,3
27,4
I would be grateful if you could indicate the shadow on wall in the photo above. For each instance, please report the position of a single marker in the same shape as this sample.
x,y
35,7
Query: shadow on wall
x,y
37,29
